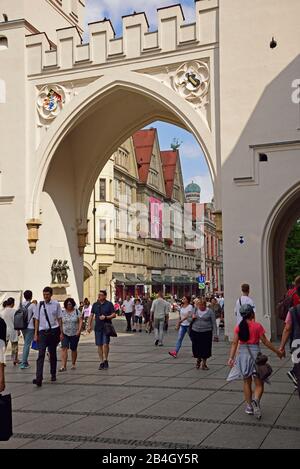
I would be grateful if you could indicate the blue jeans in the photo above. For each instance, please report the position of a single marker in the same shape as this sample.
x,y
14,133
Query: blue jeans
x,y
182,331
28,335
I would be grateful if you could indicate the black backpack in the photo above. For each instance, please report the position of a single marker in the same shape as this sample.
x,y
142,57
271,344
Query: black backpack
x,y
21,318
284,306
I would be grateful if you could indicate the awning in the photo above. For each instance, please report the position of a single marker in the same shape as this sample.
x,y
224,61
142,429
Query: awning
x,y
118,277
131,279
157,279
183,280
141,280
168,280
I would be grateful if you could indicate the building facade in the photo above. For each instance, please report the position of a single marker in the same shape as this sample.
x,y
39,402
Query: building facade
x,y
209,258
129,248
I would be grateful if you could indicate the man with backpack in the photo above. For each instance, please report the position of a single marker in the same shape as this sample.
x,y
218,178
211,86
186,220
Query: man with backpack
x,y
48,333
292,332
25,323
290,300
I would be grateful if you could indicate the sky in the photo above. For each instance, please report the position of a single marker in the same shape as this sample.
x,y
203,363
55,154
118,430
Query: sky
x,y
194,166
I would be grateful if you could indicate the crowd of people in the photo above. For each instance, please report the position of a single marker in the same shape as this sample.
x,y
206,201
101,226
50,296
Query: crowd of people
x,y
45,324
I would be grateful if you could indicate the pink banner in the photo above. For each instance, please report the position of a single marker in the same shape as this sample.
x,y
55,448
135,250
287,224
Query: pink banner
x,y
156,206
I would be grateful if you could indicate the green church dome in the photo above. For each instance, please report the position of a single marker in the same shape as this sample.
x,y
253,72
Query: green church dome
x,y
192,188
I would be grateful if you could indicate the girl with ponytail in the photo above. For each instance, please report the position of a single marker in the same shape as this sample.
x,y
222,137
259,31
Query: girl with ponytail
x,y
247,336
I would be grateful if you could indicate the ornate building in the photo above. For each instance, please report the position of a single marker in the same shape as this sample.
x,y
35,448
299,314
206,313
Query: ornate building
x,y
209,258
129,248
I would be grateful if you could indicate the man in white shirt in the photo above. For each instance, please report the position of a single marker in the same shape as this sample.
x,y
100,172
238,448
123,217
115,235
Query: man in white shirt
x,y
28,333
160,314
244,299
48,333
128,306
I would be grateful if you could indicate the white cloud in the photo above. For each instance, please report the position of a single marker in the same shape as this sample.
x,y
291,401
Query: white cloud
x,y
114,10
190,150
206,186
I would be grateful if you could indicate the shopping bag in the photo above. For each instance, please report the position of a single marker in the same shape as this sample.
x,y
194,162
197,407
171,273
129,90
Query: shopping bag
x,y
34,345
5,417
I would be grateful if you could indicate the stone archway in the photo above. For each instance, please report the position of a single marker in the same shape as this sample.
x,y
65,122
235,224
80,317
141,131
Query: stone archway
x,y
83,137
278,227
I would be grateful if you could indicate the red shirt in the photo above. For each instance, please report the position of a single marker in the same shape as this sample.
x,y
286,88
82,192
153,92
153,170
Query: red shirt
x,y
256,331
296,297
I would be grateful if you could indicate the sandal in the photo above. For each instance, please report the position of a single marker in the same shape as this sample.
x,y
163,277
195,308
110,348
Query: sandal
x,y
204,367
62,369
73,367
198,363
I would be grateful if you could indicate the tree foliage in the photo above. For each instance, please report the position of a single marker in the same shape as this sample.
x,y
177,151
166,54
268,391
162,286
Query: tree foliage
x,y
292,254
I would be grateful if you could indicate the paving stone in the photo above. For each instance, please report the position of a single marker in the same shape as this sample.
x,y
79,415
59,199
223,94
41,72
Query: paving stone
x,y
282,439
44,425
184,432
270,414
91,425
14,443
51,444
169,408
131,405
236,437
190,395
224,397
135,428
214,411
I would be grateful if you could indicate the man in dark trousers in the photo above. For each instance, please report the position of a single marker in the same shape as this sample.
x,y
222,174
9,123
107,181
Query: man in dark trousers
x,y
48,333
2,353
103,311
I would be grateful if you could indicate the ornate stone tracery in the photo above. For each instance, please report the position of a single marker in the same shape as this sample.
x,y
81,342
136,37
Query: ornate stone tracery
x,y
50,101
191,80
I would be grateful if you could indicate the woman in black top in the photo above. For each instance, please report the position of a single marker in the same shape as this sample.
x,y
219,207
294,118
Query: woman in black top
x,y
2,353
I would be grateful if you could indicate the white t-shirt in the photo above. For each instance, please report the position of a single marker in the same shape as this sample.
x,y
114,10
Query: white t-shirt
x,y
138,310
8,314
128,306
188,310
243,300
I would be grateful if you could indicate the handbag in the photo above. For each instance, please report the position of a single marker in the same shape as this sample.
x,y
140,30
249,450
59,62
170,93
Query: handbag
x,y
109,330
5,417
262,368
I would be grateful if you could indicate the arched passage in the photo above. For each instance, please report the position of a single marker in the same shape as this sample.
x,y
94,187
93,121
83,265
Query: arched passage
x,y
278,228
84,136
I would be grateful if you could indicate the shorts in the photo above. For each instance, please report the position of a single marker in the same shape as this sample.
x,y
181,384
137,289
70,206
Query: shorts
x,y
138,319
146,318
70,342
101,338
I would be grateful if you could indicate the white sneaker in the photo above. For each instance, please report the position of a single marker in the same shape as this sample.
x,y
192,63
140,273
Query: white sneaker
x,y
256,409
249,409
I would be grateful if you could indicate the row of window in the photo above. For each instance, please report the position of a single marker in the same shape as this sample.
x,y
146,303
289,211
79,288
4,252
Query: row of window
x,y
122,158
127,253
175,261
213,246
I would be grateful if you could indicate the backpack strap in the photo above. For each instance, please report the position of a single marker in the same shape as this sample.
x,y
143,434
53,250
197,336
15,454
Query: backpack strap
x,y
42,303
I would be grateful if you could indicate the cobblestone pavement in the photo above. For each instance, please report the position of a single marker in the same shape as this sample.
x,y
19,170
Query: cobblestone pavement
x,y
148,399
